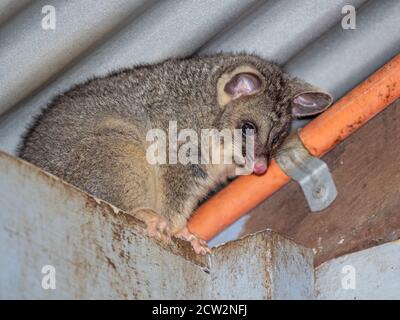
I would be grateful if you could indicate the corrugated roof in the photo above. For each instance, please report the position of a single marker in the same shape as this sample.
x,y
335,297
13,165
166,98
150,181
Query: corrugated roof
x,y
95,37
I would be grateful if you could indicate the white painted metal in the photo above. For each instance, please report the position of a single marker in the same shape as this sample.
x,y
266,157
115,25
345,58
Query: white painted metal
x,y
373,273
101,252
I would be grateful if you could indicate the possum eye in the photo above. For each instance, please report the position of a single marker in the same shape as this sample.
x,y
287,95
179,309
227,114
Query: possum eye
x,y
248,128
275,141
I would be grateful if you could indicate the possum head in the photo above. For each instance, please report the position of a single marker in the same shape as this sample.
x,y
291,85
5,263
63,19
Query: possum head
x,y
261,101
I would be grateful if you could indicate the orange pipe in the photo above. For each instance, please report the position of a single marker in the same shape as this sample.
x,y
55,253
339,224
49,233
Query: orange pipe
x,y
353,110
319,136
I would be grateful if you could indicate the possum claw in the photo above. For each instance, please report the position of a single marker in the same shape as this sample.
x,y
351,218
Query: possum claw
x,y
158,229
199,246
157,226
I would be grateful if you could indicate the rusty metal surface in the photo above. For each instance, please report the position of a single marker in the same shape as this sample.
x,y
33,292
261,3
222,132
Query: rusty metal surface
x,y
97,250
262,266
101,252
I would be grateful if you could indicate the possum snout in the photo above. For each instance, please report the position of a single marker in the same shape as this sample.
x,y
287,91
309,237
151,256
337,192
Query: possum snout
x,y
260,166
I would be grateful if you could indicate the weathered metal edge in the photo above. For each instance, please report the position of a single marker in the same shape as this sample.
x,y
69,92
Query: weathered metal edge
x,y
177,247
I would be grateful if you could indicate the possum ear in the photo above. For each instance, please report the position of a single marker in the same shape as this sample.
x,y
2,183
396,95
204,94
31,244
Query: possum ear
x,y
310,103
243,81
308,100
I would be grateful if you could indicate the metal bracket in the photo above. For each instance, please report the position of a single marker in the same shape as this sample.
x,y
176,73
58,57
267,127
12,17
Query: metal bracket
x,y
311,173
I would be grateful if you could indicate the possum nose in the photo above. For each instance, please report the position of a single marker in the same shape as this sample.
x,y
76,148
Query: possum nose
x,y
260,166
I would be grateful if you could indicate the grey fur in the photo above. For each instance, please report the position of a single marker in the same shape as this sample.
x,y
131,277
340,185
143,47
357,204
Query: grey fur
x,y
93,136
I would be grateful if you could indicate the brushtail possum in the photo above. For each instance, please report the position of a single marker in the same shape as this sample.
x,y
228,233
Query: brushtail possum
x,y
94,135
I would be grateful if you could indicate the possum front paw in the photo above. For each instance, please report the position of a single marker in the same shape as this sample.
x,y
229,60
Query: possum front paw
x,y
162,230
157,226
199,246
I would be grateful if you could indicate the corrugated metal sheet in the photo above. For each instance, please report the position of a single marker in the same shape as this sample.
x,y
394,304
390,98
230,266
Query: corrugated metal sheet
x,y
94,37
